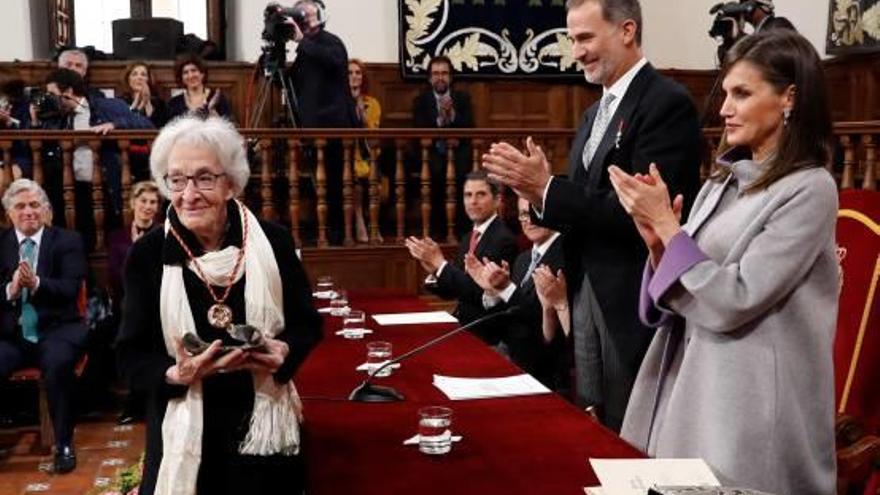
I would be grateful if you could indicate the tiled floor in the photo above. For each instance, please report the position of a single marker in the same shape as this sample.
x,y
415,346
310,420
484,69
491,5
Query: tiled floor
x,y
102,448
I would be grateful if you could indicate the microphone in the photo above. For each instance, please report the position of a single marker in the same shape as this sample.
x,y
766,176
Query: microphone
x,y
367,392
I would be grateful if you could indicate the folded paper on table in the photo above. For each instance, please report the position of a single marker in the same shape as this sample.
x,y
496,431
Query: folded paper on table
x,y
414,318
636,476
361,332
485,388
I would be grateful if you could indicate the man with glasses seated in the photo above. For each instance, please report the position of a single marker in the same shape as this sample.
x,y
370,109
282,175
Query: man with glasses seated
x,y
522,334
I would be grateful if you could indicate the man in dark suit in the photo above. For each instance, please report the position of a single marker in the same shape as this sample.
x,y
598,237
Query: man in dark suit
x,y
522,335
42,269
642,118
441,107
320,78
489,238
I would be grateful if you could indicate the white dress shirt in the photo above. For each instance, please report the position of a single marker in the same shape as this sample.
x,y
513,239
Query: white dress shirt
x,y
507,292
37,238
618,89
481,228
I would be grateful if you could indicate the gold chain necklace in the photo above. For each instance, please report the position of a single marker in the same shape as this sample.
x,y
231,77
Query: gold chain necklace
x,y
219,314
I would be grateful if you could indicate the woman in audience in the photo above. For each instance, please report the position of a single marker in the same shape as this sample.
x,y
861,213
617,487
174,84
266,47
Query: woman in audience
x,y
745,293
140,94
222,418
369,114
145,203
191,73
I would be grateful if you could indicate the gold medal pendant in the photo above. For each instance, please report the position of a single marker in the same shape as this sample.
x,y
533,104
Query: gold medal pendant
x,y
220,316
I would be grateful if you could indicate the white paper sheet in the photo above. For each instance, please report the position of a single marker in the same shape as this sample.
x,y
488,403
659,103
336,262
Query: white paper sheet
x,y
484,388
414,318
635,476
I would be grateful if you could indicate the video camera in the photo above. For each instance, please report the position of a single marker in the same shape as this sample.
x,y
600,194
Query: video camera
x,y
275,27
48,105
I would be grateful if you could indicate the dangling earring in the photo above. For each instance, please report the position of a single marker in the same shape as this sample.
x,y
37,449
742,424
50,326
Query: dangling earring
x,y
786,114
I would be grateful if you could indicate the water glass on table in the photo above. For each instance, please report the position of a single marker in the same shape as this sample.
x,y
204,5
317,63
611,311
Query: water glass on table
x,y
435,436
324,287
339,303
353,324
378,352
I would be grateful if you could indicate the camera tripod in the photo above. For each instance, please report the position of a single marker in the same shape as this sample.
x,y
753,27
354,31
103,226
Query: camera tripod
x,y
273,73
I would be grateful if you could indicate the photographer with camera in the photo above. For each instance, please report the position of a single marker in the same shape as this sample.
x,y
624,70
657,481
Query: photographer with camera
x,y
65,105
762,17
319,75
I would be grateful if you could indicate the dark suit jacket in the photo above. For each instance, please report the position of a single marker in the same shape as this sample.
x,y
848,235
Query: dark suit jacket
x,y
62,268
655,122
320,79
425,110
522,331
497,244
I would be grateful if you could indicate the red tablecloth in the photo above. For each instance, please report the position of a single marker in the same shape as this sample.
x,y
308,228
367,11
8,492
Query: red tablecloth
x,y
521,445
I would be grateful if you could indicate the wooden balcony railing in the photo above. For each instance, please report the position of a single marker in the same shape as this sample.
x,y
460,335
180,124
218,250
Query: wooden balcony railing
x,y
405,154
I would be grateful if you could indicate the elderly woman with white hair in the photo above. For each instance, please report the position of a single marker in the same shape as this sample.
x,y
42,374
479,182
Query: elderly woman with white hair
x,y
223,418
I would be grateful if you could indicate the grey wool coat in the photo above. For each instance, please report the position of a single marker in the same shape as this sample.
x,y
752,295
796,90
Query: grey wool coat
x,y
740,372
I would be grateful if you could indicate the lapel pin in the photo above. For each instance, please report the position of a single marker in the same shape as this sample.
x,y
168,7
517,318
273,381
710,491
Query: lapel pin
x,y
619,135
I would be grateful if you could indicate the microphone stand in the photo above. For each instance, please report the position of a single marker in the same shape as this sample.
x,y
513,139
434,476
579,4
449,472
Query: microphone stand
x,y
367,392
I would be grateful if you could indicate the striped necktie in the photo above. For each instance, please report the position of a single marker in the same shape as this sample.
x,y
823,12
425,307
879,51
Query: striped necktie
x,y
28,318
536,258
600,125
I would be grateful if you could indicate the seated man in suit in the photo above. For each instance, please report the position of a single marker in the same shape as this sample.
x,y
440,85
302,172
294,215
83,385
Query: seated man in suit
x,y
489,238
523,339
41,270
441,107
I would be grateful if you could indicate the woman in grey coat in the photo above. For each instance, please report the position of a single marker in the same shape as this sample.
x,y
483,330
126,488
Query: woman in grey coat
x,y
745,293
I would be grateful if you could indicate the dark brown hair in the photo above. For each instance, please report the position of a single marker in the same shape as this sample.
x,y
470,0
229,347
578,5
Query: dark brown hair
x,y
130,67
785,58
482,175
187,59
439,59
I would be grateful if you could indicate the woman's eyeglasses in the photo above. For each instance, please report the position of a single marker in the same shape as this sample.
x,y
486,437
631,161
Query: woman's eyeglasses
x,y
204,181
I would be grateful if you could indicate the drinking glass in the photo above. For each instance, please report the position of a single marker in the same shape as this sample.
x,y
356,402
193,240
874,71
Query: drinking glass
x,y
339,303
435,437
377,353
353,324
324,287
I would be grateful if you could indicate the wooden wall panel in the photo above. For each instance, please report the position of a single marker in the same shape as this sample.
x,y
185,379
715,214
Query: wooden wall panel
x,y
853,85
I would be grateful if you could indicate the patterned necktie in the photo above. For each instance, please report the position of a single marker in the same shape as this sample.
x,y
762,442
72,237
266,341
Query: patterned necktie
x,y
475,239
600,124
28,318
536,258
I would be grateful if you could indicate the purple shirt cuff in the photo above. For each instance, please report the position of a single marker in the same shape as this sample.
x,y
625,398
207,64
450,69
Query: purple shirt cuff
x,y
651,315
681,254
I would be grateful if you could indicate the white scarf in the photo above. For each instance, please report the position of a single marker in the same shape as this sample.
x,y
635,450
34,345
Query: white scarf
x,y
274,428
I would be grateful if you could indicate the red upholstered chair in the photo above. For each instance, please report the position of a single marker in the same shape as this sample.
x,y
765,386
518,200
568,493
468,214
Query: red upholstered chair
x,y
857,342
32,374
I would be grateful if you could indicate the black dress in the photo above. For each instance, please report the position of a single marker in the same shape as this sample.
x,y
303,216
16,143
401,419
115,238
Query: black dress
x,y
227,398
177,106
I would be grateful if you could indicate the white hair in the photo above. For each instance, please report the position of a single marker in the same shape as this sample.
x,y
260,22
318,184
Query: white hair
x,y
214,133
24,185
73,51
